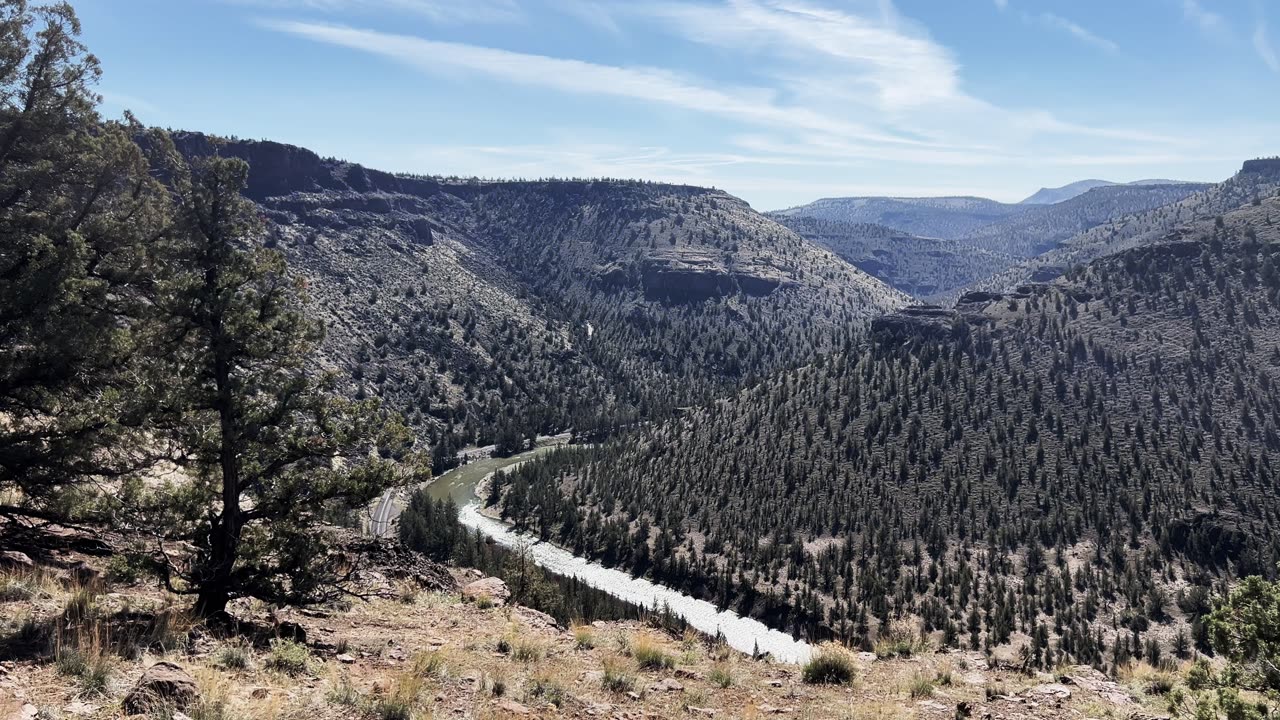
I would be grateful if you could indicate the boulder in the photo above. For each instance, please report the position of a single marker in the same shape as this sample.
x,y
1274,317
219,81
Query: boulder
x,y
489,587
162,685
14,560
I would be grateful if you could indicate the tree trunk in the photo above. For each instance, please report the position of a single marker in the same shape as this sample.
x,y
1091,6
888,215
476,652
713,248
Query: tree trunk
x,y
224,536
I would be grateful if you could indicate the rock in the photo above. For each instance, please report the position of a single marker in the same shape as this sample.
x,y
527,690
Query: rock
x,y
537,619
963,710
260,693
490,587
290,630
667,685
346,659
1050,690
162,684
29,712
422,233
84,573
80,708
511,707
14,560
771,710
709,712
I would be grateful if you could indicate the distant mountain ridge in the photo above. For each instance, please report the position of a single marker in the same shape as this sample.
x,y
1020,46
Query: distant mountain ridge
x,y
935,248
946,218
1051,196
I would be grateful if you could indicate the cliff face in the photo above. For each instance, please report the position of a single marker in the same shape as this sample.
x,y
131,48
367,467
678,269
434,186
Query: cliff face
x,y
1269,167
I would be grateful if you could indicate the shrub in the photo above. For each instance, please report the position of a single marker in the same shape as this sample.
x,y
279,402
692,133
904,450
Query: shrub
x,y
1243,629
616,676
649,654
583,637
828,666
234,657
721,675
528,651
289,657
921,686
546,688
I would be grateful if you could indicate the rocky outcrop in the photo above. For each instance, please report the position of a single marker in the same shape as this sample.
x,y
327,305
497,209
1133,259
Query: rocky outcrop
x,y
492,588
164,686
1262,166
696,278
921,321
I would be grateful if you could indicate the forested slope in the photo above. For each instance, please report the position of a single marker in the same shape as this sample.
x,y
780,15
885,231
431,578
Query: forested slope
x,y
491,311
1077,463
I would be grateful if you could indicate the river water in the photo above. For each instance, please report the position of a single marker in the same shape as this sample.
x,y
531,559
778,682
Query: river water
x,y
743,634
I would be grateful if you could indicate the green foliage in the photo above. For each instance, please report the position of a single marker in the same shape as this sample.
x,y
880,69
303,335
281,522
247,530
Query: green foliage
x,y
263,437
78,214
289,657
828,666
1245,629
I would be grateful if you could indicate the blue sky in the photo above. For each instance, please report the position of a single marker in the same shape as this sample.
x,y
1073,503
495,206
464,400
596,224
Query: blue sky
x,y
777,101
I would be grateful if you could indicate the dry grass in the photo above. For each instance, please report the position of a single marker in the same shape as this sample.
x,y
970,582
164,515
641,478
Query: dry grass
x,y
649,653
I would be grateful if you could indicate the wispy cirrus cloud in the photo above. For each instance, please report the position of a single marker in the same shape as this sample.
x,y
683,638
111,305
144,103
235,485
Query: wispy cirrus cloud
x,y
654,85
1266,51
1078,31
814,89
1208,21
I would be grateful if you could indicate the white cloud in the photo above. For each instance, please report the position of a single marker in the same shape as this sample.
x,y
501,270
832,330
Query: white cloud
x,y
905,68
1265,49
1081,33
1002,4
757,105
858,91
1207,20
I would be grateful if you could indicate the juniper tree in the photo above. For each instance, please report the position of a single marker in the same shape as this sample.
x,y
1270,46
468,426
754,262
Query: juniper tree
x,y
266,445
78,212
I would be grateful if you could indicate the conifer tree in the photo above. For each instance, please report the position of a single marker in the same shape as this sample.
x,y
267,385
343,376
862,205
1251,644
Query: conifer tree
x,y
267,447
78,213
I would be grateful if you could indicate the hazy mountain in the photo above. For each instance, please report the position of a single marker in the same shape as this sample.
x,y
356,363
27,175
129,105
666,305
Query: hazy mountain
x,y
489,307
1049,196
1257,180
1068,468
937,269
1042,227
920,267
947,218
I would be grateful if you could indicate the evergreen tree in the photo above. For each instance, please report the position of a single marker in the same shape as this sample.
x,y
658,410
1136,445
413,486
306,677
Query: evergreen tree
x,y
78,210
266,445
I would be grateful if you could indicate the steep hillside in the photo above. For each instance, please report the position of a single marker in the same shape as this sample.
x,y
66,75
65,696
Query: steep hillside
x,y
500,309
1069,468
940,270
918,266
1040,229
947,218
1257,180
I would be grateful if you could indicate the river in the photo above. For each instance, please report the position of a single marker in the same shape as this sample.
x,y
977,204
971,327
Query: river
x,y
743,634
